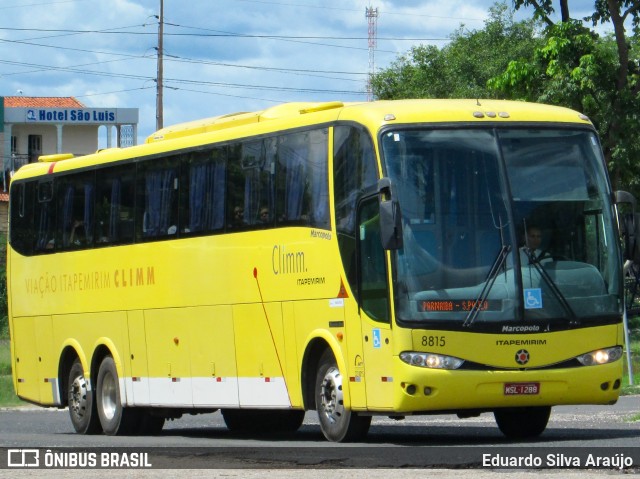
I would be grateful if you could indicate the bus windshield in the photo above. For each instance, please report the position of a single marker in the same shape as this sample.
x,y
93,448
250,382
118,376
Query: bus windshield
x,y
503,226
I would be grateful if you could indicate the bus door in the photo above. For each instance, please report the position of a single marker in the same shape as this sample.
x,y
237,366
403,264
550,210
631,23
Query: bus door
x,y
373,295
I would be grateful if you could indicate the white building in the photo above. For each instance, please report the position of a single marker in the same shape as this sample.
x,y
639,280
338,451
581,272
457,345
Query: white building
x,y
35,126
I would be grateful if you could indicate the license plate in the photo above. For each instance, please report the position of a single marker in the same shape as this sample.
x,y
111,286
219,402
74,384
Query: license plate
x,y
518,389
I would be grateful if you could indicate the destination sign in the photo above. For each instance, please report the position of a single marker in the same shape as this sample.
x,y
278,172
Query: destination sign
x,y
453,305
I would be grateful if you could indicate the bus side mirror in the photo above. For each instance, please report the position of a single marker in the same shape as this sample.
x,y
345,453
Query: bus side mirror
x,y
390,216
629,225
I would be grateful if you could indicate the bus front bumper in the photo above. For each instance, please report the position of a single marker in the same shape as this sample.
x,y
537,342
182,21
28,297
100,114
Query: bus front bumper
x,y
424,390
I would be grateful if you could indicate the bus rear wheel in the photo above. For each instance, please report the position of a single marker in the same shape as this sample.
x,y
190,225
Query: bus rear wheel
x,y
262,421
337,423
114,418
522,422
82,406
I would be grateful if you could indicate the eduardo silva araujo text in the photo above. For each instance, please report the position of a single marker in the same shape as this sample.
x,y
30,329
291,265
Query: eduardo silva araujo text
x,y
615,461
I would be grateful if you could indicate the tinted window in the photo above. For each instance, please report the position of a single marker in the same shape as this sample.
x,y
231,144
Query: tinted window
x,y
22,214
203,192
44,217
75,198
157,194
354,170
302,184
115,195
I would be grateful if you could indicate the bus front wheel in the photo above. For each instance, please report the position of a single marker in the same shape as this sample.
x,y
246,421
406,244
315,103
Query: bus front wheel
x,y
522,422
114,418
337,423
82,406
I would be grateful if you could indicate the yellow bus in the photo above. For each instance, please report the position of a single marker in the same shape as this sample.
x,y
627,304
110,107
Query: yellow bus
x,y
389,258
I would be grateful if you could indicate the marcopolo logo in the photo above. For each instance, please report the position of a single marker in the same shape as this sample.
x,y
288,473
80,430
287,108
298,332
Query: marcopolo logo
x,y
532,328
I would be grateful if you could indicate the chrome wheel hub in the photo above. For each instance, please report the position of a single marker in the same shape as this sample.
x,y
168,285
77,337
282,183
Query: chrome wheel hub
x,y
331,396
108,398
78,396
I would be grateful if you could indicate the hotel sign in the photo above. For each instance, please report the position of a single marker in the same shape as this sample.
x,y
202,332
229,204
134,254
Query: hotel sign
x,y
73,116
68,115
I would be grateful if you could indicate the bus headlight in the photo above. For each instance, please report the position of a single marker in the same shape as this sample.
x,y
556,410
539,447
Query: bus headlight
x,y
430,360
601,356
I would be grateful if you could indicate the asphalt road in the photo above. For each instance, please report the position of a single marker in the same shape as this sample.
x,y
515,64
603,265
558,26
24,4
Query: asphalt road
x,y
448,446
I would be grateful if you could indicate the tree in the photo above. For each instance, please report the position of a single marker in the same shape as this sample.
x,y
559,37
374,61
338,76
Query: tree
x,y
462,68
596,75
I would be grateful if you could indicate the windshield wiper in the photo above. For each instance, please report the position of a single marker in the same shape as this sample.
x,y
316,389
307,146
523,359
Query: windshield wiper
x,y
488,284
573,319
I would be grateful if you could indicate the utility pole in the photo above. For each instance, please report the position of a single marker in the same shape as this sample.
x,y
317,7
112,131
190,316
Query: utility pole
x,y
372,19
159,78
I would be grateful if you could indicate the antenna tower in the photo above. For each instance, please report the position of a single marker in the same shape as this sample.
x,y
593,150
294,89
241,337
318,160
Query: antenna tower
x,y
372,19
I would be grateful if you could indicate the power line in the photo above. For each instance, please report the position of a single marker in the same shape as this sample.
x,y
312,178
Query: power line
x,y
6,7
219,34
115,91
175,58
184,81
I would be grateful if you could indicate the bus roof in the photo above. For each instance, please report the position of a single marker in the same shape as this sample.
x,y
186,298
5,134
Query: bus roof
x,y
299,114
400,111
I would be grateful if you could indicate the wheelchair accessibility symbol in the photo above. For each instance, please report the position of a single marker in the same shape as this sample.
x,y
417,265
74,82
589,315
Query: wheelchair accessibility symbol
x,y
533,298
376,338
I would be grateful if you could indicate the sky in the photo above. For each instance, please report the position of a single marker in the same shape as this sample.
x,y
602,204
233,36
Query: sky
x,y
220,56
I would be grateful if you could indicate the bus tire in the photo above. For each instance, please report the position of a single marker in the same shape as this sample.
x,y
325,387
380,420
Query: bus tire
x,y
263,421
80,399
338,424
522,422
114,418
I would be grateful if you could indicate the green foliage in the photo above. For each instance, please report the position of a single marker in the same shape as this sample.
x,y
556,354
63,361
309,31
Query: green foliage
x,y
4,318
566,69
597,75
4,300
567,64
460,69
7,393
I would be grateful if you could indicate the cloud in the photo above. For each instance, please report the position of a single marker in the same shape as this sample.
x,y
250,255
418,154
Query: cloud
x,y
221,56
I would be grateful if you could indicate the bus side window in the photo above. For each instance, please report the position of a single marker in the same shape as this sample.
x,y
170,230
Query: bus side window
x,y
373,293
302,181
22,214
202,192
114,205
157,205
354,170
258,181
75,210
44,217
236,219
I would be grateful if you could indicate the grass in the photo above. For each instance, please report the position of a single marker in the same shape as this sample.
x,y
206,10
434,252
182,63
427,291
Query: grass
x,y
635,360
8,397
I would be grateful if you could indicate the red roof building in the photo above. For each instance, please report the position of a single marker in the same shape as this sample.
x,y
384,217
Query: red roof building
x,y
41,102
